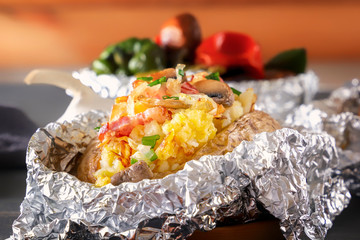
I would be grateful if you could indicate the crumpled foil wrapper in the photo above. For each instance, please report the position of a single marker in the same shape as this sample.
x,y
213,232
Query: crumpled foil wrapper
x,y
105,85
327,115
291,175
288,92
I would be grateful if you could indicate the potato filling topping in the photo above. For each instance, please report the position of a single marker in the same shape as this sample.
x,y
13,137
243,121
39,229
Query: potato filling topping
x,y
165,120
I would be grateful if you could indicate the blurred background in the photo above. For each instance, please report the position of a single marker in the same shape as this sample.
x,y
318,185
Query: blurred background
x,y
69,34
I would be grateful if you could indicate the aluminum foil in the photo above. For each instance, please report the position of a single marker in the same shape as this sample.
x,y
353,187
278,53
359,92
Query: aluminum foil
x,y
327,115
290,174
288,92
105,85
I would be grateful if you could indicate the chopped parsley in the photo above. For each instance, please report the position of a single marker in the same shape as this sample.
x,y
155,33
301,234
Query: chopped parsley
x,y
151,155
235,91
213,76
158,81
181,72
146,79
133,160
168,97
150,140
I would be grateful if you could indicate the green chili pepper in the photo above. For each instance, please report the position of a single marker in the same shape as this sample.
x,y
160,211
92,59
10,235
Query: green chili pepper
x,y
148,56
101,66
130,57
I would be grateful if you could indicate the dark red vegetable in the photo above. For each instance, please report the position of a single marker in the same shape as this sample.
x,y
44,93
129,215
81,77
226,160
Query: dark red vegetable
x,y
180,36
233,51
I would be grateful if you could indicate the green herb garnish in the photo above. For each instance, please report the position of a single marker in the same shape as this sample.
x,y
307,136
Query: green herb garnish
x,y
168,97
181,72
235,91
147,79
151,155
158,81
150,140
214,76
97,128
294,60
133,160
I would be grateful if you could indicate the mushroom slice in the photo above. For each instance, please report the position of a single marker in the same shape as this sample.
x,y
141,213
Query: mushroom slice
x,y
168,73
219,91
134,173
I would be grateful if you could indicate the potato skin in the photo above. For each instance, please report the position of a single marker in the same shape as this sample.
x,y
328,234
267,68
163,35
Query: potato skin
x,y
244,128
89,162
225,141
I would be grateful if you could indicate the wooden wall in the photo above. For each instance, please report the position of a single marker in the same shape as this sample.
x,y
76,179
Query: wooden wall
x,y
72,33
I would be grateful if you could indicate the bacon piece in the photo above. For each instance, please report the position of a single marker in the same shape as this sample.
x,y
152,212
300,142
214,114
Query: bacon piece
x,y
187,88
159,114
103,130
124,125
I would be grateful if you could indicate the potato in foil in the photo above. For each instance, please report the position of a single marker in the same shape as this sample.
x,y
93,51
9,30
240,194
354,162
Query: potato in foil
x,y
167,120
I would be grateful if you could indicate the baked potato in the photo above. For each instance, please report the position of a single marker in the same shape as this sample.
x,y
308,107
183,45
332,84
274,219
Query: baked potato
x,y
168,119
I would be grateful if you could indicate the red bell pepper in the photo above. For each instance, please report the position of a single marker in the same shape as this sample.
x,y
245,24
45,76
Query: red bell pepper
x,y
231,50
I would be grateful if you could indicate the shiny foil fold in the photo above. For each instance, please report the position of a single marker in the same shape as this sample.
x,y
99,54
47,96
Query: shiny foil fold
x,y
291,175
105,85
288,92
329,115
